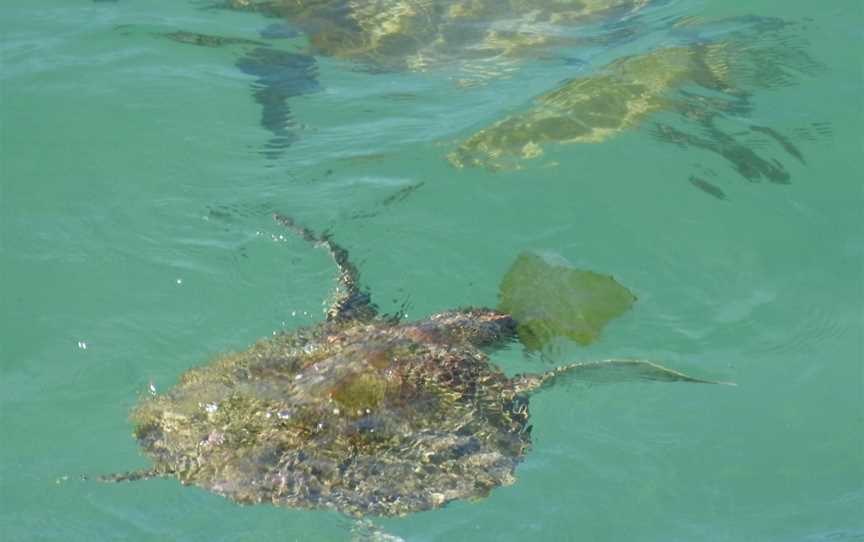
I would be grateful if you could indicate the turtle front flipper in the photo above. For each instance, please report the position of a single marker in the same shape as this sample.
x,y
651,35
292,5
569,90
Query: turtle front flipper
x,y
611,370
350,302
279,76
133,476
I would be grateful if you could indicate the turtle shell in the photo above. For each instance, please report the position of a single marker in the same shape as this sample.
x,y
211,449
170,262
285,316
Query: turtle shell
x,y
367,418
419,34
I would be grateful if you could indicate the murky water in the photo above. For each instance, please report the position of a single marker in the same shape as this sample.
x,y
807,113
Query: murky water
x,y
704,154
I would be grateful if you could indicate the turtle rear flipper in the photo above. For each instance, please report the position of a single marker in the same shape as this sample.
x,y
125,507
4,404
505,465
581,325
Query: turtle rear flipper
x,y
350,302
611,370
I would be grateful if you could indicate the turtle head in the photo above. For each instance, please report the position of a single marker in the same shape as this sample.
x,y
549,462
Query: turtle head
x,y
478,326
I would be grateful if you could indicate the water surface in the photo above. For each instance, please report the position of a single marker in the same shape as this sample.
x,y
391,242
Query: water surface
x,y
137,178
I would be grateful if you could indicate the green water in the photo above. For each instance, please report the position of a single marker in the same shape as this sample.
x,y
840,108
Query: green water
x,y
137,242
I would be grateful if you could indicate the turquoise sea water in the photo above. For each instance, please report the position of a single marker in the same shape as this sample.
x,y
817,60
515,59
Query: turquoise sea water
x,y
136,187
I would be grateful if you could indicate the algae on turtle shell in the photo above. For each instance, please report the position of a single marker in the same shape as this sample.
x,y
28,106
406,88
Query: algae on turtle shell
x,y
362,413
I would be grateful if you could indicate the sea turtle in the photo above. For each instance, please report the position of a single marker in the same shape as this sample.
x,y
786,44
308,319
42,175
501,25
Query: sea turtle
x,y
416,35
592,108
701,81
362,413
